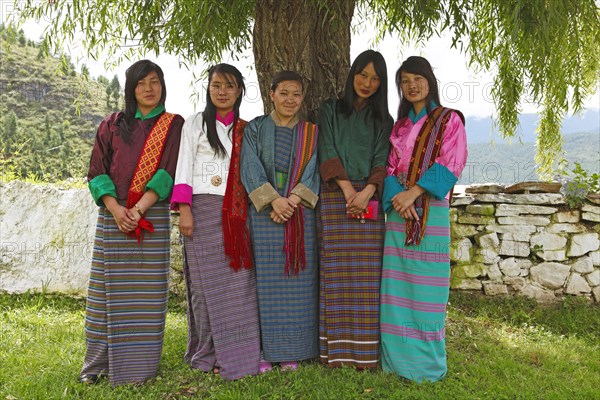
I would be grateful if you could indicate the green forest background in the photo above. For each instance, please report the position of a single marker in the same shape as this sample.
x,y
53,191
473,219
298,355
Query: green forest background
x,y
50,112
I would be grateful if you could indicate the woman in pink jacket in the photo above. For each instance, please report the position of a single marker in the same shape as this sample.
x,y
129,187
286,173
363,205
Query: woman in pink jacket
x,y
428,154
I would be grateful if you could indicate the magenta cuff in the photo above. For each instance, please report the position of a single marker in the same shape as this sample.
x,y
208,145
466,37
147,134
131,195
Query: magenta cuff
x,y
182,193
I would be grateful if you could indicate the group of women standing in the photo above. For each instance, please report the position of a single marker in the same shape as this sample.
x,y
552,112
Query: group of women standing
x,y
300,240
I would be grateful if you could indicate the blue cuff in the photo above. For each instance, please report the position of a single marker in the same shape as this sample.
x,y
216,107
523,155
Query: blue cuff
x,y
437,180
161,183
100,186
391,187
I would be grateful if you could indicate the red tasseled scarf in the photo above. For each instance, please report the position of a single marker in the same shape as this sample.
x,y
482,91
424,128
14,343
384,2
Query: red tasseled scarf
x,y
236,236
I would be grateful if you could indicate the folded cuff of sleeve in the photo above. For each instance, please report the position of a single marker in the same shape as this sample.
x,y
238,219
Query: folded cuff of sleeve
x,y
376,178
161,183
309,198
262,196
391,187
100,186
182,194
332,169
437,180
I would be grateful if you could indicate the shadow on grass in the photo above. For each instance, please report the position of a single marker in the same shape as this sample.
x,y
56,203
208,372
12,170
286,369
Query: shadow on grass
x,y
496,349
571,317
516,348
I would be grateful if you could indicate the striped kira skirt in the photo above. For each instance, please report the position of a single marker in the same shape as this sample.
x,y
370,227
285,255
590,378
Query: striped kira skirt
x,y
127,299
350,271
222,307
288,305
414,293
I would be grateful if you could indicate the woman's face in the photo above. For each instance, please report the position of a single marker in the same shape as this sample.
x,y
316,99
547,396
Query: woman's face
x,y
287,98
148,92
415,88
224,92
366,82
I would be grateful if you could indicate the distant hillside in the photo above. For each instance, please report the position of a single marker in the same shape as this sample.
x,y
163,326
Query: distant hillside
x,y
511,163
482,130
49,111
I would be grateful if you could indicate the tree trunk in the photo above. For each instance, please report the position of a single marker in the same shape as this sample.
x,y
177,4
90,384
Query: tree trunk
x,y
301,36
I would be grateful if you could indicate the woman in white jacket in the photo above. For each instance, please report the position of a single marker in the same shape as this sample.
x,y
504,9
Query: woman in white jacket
x,y
223,329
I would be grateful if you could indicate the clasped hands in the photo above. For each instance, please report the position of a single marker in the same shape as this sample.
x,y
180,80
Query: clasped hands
x,y
403,203
284,208
357,202
127,218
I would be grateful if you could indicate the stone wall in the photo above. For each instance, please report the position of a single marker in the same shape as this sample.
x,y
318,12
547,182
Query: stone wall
x,y
46,239
526,244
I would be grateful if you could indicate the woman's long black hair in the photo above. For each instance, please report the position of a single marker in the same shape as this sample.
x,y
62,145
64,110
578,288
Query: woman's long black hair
x,y
209,115
419,66
377,104
135,73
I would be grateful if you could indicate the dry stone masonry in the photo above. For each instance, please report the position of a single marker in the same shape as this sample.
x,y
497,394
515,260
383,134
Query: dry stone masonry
x,y
528,244
525,243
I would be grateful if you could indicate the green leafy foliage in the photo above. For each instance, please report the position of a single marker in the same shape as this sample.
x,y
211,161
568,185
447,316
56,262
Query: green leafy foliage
x,y
544,52
193,29
578,183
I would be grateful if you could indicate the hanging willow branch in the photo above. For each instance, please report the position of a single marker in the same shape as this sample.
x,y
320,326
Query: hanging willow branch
x,y
546,51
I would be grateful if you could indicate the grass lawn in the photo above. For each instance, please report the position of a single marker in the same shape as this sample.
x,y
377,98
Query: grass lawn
x,y
497,349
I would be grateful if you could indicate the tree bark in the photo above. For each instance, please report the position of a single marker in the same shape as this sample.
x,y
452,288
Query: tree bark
x,y
301,36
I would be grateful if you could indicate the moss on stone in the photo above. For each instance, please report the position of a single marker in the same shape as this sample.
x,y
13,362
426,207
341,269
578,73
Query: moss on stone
x,y
469,270
481,209
462,230
476,219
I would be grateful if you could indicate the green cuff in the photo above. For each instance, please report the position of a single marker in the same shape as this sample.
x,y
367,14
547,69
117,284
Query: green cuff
x,y
161,183
100,186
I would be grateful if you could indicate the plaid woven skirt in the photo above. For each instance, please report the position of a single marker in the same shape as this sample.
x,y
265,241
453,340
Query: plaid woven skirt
x,y
222,308
350,272
287,304
414,293
127,299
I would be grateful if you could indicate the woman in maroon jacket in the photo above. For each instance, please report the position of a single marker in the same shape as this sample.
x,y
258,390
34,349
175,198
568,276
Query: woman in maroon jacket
x,y
130,177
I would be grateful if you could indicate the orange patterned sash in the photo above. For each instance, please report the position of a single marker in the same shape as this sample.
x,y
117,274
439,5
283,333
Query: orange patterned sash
x,y
306,144
146,168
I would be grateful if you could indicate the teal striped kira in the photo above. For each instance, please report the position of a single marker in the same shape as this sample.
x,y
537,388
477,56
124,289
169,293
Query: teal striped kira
x,y
414,293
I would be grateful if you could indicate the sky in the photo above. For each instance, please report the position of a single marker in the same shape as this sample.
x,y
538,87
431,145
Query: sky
x,y
460,88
